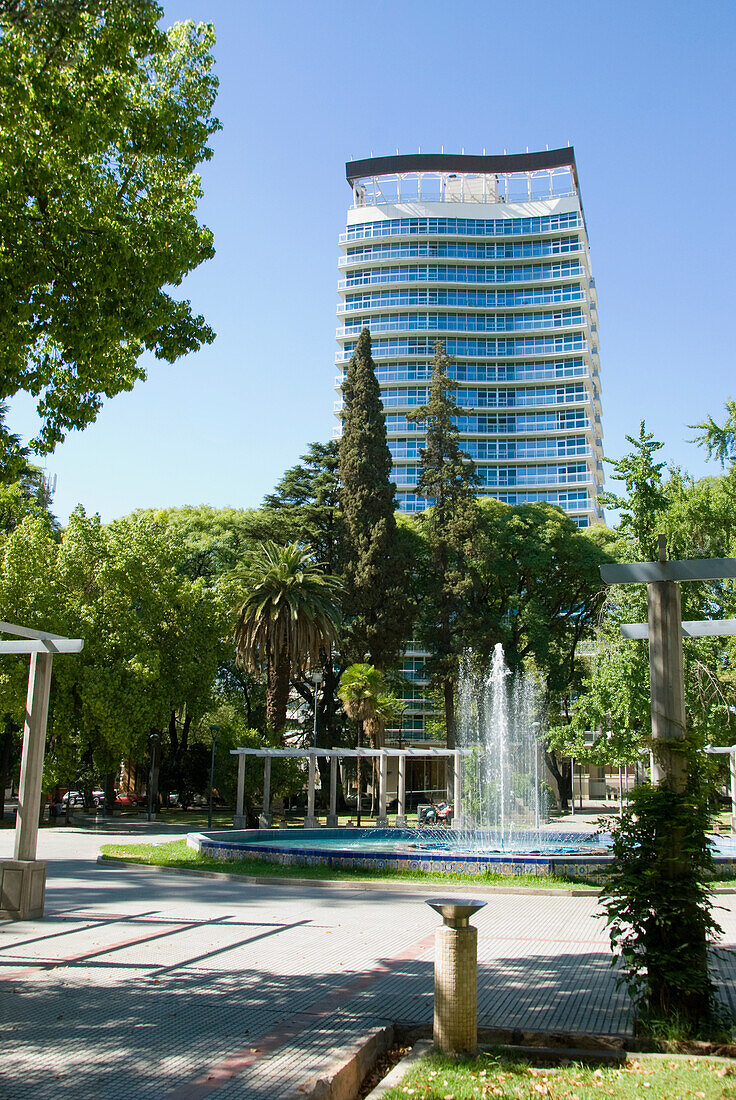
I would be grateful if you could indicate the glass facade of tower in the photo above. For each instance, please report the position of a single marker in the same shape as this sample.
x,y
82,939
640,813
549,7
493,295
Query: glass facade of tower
x,y
489,255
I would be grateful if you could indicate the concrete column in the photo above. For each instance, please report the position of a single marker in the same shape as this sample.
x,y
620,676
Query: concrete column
x,y
667,683
265,819
455,977
332,815
382,821
732,763
239,821
457,808
401,815
23,879
34,747
310,821
449,777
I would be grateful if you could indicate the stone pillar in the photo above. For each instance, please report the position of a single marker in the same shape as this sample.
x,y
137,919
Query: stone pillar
x,y
23,879
239,820
401,815
34,747
332,815
455,977
732,763
264,821
449,778
22,889
667,684
382,821
310,821
457,809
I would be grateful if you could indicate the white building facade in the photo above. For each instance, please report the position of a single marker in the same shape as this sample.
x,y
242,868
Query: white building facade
x,y
490,255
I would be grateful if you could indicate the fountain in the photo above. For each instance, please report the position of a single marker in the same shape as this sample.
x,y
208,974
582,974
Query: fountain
x,y
499,724
502,813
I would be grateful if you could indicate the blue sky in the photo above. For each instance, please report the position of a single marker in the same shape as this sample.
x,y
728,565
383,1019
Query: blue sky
x,y
645,93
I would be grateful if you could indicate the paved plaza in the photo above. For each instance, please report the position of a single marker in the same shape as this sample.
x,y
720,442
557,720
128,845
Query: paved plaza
x,y
142,984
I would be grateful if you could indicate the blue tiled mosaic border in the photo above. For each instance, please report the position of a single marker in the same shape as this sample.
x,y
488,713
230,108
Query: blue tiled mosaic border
x,y
253,842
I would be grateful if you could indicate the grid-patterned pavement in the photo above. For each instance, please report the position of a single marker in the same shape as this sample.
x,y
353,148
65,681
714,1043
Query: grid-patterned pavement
x,y
140,984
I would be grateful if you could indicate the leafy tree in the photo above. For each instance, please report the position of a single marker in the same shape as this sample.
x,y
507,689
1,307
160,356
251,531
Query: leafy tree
x,y
447,481
377,607
642,509
658,908
23,489
104,118
719,440
153,639
287,615
308,498
536,589
306,502
361,690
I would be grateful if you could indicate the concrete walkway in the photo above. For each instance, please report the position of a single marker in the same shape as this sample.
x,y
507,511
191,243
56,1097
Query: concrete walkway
x,y
145,985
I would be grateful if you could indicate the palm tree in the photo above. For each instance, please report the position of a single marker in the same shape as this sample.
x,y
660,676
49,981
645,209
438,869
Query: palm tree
x,y
361,689
288,614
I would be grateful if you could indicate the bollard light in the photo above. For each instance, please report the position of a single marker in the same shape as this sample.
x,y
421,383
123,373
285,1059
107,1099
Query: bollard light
x,y
456,976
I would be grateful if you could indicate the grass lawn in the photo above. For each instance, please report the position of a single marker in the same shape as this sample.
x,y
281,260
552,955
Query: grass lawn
x,y
176,854
437,1077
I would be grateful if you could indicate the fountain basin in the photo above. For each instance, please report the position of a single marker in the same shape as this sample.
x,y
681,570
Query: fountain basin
x,y
572,855
578,856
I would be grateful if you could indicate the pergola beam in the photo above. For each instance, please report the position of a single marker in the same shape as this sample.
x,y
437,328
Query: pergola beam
x,y
43,645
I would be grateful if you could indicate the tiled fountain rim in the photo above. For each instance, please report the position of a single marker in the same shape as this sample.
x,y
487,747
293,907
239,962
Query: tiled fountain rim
x,y
226,845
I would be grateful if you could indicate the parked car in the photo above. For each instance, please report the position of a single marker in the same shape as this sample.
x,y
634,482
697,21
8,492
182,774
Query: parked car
x,y
76,798
130,799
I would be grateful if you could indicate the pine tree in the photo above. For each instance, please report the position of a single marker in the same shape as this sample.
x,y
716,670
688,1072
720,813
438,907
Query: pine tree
x,y
447,482
377,605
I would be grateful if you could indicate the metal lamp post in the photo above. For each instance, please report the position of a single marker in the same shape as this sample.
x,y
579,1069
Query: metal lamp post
x,y
316,678
214,730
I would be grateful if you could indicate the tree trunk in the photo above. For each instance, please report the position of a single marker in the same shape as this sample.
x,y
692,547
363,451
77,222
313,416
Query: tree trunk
x,y
277,695
109,794
562,773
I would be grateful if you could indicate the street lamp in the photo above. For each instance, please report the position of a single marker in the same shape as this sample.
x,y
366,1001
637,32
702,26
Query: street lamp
x,y
154,741
316,678
214,730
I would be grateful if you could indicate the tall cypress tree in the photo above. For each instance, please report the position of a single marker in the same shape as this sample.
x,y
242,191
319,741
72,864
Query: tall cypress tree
x,y
447,481
377,604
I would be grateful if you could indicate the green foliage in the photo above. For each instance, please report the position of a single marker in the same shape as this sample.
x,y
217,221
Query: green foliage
x,y
288,613
646,501
153,637
307,502
378,607
447,481
658,904
719,440
361,686
366,698
104,118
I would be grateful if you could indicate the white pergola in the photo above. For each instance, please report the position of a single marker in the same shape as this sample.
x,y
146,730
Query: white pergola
x,y
454,782
730,750
23,879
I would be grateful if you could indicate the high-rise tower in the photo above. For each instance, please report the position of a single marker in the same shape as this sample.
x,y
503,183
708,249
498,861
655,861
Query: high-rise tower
x,y
489,255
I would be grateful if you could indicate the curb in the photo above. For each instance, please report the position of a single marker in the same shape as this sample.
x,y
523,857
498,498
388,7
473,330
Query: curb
x,y
401,1068
354,884
369,884
546,1054
342,1078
